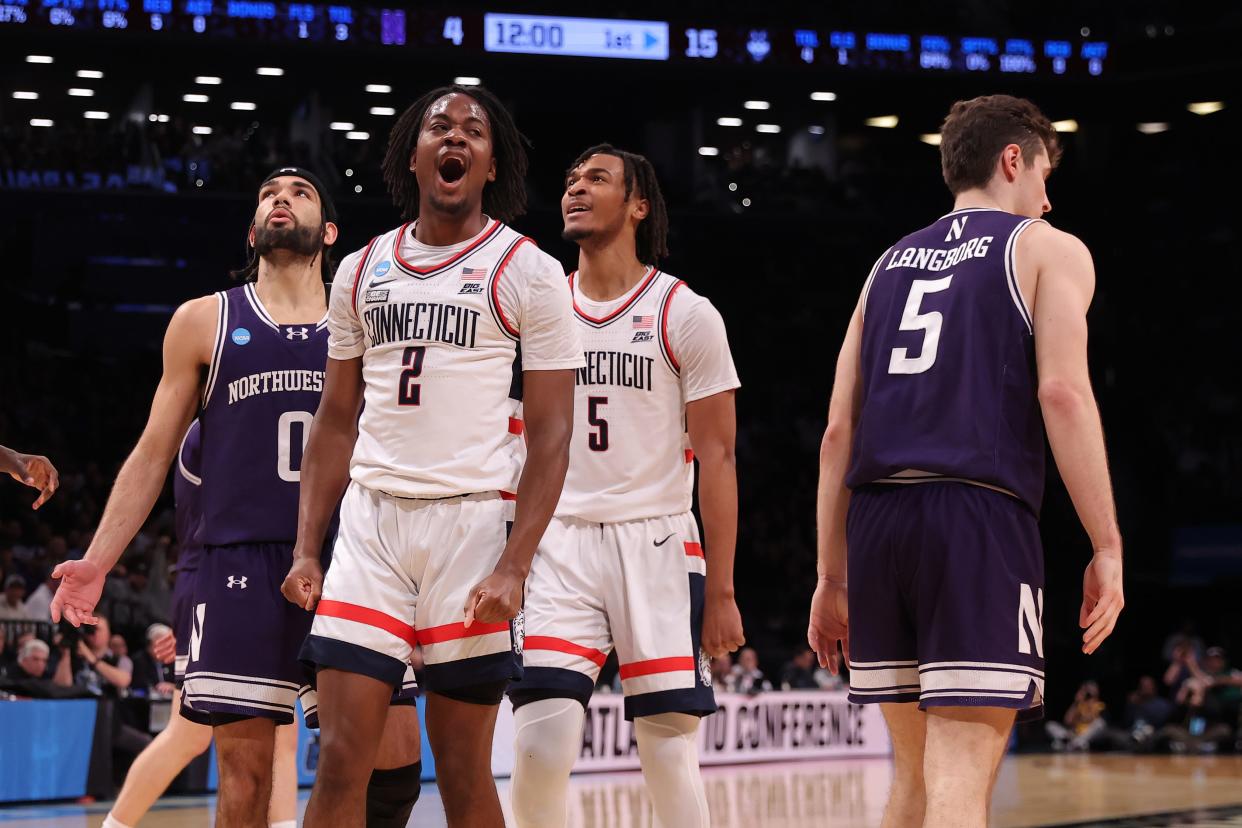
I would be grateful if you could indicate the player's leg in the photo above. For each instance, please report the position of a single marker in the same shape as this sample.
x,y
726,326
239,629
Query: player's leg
x,y
965,746
907,798
883,649
566,642
654,598
460,732
282,809
157,766
244,751
396,780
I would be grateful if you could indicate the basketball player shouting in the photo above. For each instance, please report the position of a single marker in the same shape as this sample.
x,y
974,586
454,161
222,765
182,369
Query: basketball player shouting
x,y
621,563
426,324
967,332
250,361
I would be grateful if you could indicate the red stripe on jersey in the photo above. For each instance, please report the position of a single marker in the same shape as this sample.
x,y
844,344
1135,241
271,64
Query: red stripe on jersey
x,y
547,642
668,348
508,496
500,312
689,455
633,298
694,550
516,425
657,665
487,234
372,618
366,254
452,632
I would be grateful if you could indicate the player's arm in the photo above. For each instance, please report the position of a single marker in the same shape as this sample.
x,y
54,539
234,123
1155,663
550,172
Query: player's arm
x,y
187,347
534,299
34,470
1064,288
829,622
325,463
325,473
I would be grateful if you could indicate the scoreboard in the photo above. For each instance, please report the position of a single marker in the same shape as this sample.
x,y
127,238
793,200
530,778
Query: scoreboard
x,y
654,40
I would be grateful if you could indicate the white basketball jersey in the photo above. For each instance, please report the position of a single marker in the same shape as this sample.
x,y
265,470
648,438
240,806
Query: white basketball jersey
x,y
439,341
630,457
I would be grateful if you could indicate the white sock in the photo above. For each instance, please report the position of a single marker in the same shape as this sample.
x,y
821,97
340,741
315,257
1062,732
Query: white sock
x,y
112,822
548,736
284,823
669,753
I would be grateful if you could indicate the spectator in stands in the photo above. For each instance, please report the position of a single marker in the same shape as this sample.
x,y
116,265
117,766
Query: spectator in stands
x,y
1083,721
13,604
102,671
133,605
803,673
38,605
1223,685
747,677
1196,728
722,674
29,675
150,673
1183,662
1146,712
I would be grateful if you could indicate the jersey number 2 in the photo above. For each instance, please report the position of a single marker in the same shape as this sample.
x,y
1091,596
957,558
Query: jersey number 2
x,y
410,392
284,443
598,439
930,323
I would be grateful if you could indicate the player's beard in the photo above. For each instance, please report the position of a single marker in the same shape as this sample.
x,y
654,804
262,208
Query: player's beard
x,y
299,240
448,207
577,234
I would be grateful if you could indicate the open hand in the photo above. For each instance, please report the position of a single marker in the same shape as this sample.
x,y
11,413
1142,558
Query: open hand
x,y
1102,600
81,584
829,624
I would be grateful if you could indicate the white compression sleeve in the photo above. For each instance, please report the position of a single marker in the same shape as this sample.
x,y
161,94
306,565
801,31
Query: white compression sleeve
x,y
548,738
668,750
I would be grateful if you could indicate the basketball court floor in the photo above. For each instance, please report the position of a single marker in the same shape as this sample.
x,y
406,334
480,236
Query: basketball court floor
x,y
1060,790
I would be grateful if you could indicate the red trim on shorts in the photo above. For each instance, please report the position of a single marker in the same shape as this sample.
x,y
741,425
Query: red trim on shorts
x,y
547,642
689,455
487,234
500,312
657,665
694,550
452,632
366,254
370,617
668,347
515,425
651,274
508,496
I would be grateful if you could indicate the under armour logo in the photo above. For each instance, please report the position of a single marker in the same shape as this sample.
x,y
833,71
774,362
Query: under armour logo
x,y
235,581
297,333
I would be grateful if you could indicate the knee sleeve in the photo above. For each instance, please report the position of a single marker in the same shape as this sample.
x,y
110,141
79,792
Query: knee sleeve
x,y
668,751
391,795
548,737
490,692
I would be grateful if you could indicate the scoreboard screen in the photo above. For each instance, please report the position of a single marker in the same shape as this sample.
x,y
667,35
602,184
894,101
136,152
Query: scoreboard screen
x,y
604,38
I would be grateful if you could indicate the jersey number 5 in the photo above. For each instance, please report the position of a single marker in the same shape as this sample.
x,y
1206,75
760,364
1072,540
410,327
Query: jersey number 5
x,y
598,439
930,323
410,392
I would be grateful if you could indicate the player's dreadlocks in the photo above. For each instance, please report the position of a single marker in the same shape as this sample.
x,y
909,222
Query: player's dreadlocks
x,y
504,198
651,238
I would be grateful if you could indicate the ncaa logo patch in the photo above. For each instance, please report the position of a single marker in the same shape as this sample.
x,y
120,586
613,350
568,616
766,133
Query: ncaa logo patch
x,y
382,268
241,336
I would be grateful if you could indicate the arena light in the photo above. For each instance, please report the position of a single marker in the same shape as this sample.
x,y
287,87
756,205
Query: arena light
x,y
79,92
379,88
269,71
729,122
341,126
201,130
163,119
358,136
756,105
383,110
25,96
882,121
40,59
709,152
467,80
243,106
823,96
816,129
1068,125
771,129
95,115
932,138
194,97
746,202
1205,107
90,74
41,122
1153,127
207,80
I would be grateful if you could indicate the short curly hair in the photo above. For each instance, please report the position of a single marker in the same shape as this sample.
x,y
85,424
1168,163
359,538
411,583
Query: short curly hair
x,y
975,132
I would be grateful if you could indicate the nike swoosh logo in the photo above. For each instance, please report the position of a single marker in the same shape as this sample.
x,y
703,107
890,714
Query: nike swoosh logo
x,y
662,542
386,281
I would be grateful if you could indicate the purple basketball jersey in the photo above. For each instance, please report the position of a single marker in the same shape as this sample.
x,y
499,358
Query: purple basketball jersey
x,y
263,389
187,485
948,361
